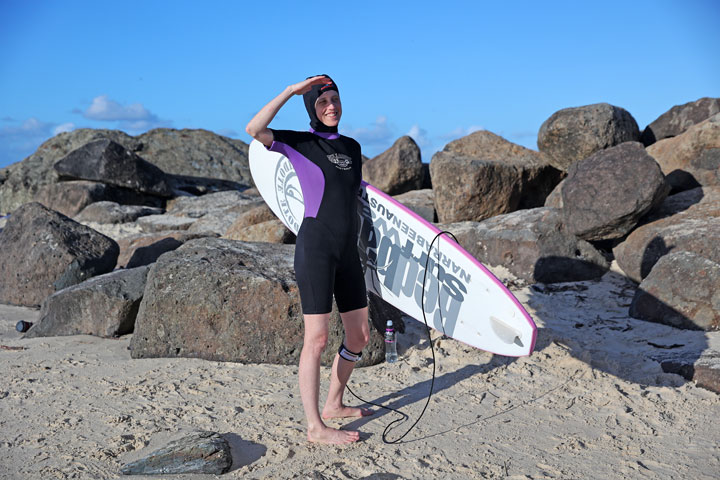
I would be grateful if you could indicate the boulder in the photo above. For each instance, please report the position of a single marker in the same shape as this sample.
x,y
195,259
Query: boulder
x,y
705,371
190,153
199,453
43,251
193,160
679,118
196,207
145,248
113,212
109,162
397,170
104,306
421,202
680,291
605,195
271,231
242,305
24,179
688,221
532,244
554,200
692,158
255,215
571,134
163,222
483,175
71,197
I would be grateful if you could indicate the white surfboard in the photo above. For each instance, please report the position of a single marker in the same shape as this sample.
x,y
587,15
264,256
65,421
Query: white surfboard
x,y
472,306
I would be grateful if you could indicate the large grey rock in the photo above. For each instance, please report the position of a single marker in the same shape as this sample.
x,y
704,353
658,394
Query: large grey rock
x,y
421,202
532,244
71,197
242,305
43,251
679,118
194,161
692,158
104,306
255,215
24,179
199,452
397,170
483,175
688,221
683,291
163,222
109,162
571,134
605,195
113,212
196,153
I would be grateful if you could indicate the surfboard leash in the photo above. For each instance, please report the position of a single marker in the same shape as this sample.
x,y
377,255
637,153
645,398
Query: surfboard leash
x,y
432,350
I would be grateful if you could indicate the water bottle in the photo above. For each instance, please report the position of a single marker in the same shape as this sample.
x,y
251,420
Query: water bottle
x,y
390,343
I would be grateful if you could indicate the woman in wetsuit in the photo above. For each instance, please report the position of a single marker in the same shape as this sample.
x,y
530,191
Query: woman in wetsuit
x,y
329,168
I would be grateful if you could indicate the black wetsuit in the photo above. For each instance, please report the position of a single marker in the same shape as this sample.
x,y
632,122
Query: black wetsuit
x,y
329,168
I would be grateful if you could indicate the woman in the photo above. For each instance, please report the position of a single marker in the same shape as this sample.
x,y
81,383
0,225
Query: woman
x,y
329,168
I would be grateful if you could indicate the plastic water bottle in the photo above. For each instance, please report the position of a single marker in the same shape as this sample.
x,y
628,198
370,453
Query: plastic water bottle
x,y
390,343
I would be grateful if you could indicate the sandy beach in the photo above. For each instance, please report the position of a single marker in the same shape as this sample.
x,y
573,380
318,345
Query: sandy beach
x,y
591,402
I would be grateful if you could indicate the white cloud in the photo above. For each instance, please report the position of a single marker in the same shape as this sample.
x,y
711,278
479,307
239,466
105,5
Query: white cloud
x,y
105,109
379,134
63,127
420,136
132,118
20,140
461,132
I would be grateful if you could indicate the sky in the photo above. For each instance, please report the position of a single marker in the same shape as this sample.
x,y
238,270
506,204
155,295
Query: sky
x,y
436,71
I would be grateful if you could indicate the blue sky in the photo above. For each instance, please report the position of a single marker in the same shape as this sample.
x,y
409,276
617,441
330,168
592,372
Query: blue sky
x,y
434,70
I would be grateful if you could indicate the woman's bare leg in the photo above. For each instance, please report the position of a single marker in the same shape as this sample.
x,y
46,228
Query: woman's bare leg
x,y
357,335
315,340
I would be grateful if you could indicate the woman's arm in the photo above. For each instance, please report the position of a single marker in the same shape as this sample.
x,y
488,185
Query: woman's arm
x,y
258,126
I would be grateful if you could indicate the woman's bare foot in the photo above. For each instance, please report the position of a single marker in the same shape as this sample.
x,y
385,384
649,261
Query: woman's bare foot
x,y
333,436
345,412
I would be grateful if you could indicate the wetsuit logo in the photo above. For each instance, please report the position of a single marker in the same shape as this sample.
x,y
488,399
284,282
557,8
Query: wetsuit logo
x,y
342,162
288,194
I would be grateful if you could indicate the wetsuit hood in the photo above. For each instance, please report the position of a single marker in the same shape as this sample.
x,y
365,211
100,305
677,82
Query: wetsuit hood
x,y
311,97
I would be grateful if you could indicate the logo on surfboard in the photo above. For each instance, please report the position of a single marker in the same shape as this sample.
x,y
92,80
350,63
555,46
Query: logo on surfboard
x,y
288,194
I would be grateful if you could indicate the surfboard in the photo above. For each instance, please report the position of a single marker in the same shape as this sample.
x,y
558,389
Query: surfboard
x,y
462,298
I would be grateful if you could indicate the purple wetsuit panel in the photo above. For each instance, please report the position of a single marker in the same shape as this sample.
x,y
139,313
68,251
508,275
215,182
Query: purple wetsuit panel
x,y
310,176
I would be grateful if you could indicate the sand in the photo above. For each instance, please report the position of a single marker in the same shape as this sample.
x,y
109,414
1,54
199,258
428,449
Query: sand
x,y
591,402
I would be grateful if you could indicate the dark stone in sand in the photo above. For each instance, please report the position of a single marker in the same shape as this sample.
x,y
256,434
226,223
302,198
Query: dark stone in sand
x,y
43,251
200,452
104,306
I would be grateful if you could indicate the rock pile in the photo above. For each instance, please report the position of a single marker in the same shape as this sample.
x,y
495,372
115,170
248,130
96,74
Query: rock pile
x,y
203,268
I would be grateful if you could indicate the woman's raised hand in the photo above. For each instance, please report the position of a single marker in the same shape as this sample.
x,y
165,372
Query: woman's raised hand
x,y
303,87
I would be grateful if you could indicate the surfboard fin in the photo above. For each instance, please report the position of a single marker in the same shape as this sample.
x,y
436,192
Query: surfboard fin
x,y
505,332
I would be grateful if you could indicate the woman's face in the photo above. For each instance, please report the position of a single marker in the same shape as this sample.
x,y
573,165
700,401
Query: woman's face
x,y
328,108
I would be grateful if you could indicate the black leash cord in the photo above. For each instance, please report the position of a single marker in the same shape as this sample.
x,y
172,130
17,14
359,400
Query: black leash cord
x,y
432,349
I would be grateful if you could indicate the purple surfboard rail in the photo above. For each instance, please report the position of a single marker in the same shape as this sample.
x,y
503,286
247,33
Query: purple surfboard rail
x,y
466,254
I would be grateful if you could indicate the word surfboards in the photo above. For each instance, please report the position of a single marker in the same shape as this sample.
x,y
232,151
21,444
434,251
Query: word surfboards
x,y
461,297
